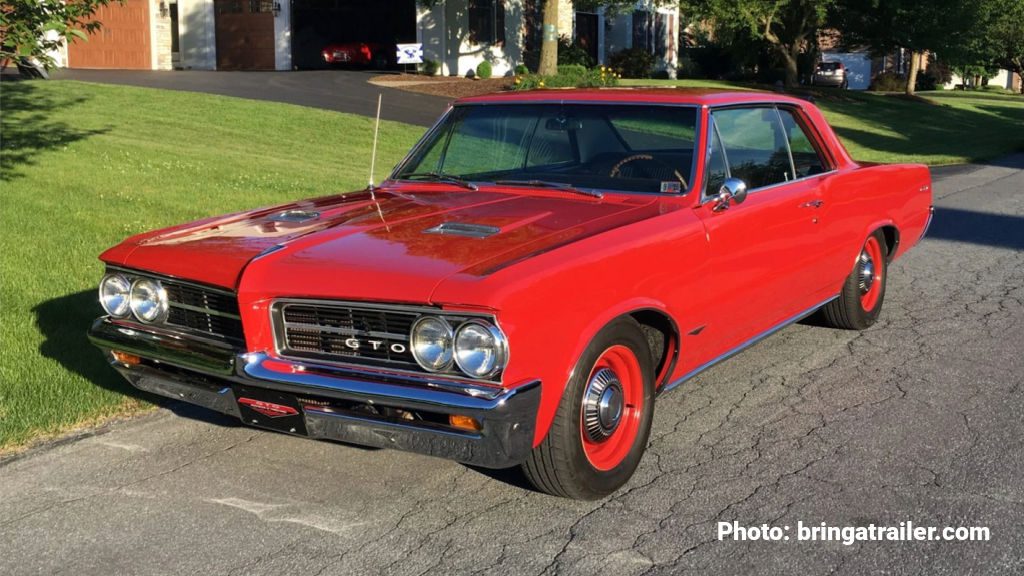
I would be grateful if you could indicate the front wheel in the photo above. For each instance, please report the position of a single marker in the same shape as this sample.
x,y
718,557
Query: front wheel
x,y
861,299
604,419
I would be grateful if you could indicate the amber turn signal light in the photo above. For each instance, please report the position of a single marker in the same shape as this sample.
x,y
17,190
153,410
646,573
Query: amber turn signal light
x,y
467,423
126,358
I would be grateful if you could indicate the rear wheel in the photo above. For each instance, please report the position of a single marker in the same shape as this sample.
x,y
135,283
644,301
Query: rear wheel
x,y
600,431
860,301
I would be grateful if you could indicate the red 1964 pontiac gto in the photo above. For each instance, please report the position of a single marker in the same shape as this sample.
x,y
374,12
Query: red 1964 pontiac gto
x,y
530,278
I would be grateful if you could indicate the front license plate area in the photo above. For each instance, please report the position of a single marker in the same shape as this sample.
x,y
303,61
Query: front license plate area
x,y
270,409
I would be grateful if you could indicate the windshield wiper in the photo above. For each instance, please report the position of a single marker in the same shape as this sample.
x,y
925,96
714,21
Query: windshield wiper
x,y
437,177
549,184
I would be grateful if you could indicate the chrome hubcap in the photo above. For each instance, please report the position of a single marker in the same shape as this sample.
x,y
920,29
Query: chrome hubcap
x,y
866,277
602,405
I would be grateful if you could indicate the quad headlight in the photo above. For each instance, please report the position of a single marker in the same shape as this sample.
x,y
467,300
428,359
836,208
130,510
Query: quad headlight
x,y
432,343
114,293
480,348
148,300
477,347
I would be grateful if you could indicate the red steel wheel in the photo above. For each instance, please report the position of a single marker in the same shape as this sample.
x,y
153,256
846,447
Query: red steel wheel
x,y
860,299
869,273
599,433
612,405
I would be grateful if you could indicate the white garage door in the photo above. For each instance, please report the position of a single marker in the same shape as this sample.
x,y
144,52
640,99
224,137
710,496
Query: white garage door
x,y
857,64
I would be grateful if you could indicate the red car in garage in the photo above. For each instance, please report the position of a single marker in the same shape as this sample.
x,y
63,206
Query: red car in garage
x,y
357,54
529,279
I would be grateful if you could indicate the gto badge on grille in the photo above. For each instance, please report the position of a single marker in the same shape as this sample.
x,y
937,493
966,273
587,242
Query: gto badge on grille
x,y
268,408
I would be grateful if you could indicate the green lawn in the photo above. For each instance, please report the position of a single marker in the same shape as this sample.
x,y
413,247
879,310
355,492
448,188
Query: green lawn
x,y
947,128
85,165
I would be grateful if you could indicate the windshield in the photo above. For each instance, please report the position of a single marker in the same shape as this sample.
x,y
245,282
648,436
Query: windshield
x,y
585,146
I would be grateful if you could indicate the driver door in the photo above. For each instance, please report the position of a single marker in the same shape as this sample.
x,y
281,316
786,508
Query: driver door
x,y
763,249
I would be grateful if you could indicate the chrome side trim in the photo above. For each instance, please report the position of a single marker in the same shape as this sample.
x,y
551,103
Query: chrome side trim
x,y
745,345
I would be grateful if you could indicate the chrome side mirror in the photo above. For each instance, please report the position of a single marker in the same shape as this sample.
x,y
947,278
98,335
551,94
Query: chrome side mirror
x,y
732,190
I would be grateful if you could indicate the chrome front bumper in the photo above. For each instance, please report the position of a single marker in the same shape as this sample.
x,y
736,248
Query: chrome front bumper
x,y
209,372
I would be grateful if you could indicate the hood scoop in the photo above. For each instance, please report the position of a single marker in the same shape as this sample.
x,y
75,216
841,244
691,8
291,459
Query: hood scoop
x,y
295,216
463,229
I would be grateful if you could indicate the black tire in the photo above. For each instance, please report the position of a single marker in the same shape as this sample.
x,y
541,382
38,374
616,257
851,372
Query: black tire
x,y
848,311
560,465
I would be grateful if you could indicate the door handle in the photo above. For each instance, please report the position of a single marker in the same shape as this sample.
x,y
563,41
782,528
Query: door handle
x,y
812,204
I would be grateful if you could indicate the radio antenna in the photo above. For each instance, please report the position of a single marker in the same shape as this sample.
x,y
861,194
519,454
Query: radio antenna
x,y
373,155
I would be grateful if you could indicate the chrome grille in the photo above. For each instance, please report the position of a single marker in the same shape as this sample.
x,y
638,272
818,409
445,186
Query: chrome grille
x,y
346,332
204,310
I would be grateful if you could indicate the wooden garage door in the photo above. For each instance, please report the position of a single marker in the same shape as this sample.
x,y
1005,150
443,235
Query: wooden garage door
x,y
121,42
245,34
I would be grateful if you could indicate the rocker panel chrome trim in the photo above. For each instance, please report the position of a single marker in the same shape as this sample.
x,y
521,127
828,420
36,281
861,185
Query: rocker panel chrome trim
x,y
745,345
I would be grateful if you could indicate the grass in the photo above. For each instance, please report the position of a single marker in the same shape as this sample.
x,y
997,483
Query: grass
x,y
85,165
82,166
941,127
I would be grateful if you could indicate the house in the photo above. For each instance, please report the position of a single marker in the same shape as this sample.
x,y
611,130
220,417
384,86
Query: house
x,y
459,35
289,34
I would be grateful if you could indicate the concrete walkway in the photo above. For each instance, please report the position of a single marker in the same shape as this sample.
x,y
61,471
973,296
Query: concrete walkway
x,y
339,90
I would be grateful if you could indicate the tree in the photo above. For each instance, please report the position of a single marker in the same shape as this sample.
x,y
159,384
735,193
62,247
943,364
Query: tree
x,y
26,26
788,26
1007,36
549,40
919,26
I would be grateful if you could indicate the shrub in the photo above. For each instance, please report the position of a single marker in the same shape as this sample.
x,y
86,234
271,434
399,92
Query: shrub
x,y
632,62
522,70
430,67
570,76
888,82
573,53
926,81
483,70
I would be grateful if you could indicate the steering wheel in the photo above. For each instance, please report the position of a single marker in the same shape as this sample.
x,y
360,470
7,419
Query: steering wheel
x,y
616,170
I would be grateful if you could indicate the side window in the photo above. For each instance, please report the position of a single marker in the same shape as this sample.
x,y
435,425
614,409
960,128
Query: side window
x,y
717,169
755,145
806,158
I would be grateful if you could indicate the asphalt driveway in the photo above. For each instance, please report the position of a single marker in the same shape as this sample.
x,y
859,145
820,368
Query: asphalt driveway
x,y
920,419
338,90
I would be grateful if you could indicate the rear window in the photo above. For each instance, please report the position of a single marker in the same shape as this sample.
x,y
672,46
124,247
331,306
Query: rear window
x,y
829,66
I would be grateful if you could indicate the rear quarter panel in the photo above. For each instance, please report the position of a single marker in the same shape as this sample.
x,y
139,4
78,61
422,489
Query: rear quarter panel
x,y
860,200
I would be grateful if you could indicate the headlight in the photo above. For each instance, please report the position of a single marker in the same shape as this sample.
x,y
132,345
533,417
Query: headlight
x,y
432,343
114,291
148,300
480,349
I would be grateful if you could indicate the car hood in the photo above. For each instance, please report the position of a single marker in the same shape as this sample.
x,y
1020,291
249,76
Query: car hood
x,y
397,246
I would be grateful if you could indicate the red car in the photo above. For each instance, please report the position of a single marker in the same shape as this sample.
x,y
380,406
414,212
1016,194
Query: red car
x,y
530,278
356,53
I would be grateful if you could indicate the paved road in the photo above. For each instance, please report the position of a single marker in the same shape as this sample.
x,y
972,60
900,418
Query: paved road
x,y
339,90
920,418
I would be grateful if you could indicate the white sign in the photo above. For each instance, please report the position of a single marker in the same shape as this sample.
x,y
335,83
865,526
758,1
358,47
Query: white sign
x,y
410,53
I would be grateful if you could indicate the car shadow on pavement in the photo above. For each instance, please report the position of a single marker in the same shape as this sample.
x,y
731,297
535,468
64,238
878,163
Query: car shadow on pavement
x,y
982,228
64,321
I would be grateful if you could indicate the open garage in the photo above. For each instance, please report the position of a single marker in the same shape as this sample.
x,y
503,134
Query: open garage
x,y
317,23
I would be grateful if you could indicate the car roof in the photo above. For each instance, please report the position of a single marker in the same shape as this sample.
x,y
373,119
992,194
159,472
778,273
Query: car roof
x,y
691,96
